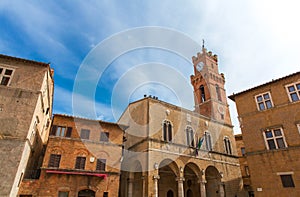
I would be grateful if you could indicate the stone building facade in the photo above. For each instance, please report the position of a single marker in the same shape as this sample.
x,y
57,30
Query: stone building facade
x,y
26,94
269,117
240,146
83,158
171,151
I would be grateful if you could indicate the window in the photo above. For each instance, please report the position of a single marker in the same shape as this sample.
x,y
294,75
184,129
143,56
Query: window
x,y
218,93
287,180
101,163
190,136
80,163
274,139
243,151
63,194
61,131
167,131
104,137
85,134
227,146
294,91
5,76
264,101
54,160
247,171
208,143
298,126
105,194
202,92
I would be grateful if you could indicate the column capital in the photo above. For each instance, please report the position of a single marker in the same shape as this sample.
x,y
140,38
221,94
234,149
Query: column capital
x,y
180,179
156,177
202,181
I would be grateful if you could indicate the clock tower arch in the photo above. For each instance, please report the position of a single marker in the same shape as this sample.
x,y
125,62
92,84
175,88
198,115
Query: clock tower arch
x,y
209,92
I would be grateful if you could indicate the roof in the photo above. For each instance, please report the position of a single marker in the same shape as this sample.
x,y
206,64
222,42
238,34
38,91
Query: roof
x,y
124,127
232,97
24,60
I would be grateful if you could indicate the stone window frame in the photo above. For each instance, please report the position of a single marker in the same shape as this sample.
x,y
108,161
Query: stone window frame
x,y
296,91
286,179
208,141
264,101
101,164
56,131
167,131
85,134
63,193
80,162
104,136
274,138
227,145
2,74
54,160
190,136
243,151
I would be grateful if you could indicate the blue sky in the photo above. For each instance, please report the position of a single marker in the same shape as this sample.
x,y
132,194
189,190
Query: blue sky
x,y
256,41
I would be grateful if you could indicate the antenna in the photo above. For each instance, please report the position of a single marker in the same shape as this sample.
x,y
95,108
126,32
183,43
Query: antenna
x,y
203,43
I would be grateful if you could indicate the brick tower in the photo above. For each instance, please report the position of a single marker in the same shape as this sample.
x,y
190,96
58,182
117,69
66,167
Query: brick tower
x,y
210,96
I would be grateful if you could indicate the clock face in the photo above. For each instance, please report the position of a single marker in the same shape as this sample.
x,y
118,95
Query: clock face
x,y
200,66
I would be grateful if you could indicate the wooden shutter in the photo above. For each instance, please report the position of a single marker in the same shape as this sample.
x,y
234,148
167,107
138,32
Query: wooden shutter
x,y
53,131
69,132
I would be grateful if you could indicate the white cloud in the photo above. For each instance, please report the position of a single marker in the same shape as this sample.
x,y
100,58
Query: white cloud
x,y
63,105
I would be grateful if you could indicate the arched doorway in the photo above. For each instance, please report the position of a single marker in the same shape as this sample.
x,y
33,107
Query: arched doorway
x,y
189,193
86,193
132,181
167,185
137,179
170,193
213,182
191,177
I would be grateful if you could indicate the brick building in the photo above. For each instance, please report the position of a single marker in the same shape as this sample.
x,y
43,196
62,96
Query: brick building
x,y
240,146
171,151
83,158
269,117
26,93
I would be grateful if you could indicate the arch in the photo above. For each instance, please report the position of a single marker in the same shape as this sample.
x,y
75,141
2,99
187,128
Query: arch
x,y
86,193
56,150
172,164
81,152
213,182
192,176
189,193
170,193
168,172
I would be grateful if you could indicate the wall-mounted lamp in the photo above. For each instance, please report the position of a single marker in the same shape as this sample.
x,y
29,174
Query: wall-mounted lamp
x,y
156,166
221,174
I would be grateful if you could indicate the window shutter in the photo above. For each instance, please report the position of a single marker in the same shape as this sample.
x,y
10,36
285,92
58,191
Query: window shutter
x,y
69,132
53,131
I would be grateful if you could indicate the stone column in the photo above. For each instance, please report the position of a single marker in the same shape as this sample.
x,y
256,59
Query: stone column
x,y
221,190
155,179
143,185
130,187
180,186
202,188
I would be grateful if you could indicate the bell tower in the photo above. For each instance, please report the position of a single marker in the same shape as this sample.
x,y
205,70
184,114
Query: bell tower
x,y
209,93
